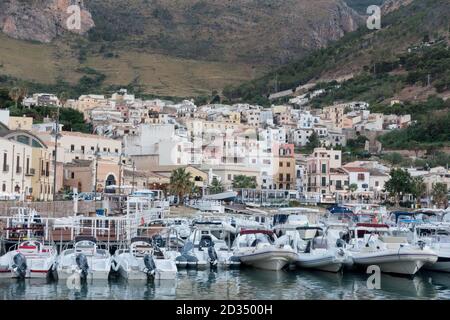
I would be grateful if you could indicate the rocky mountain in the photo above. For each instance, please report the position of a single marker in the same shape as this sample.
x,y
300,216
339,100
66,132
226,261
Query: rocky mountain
x,y
40,20
407,27
260,31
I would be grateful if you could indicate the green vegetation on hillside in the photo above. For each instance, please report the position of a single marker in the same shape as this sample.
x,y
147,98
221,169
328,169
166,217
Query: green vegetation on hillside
x,y
431,130
383,50
71,119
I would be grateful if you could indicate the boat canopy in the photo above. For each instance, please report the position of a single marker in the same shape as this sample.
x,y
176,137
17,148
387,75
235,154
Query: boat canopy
x,y
256,231
337,209
85,238
141,239
398,214
372,225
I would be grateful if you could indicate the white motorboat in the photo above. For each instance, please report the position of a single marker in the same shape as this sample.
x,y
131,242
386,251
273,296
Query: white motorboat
x,y
290,218
438,238
373,245
85,258
316,252
207,247
30,259
143,261
257,248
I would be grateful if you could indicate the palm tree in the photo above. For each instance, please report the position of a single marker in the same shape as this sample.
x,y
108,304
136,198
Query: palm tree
x,y
418,188
63,96
181,183
216,186
15,94
439,194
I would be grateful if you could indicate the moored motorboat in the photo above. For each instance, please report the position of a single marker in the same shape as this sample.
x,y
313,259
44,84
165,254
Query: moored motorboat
x,y
86,259
30,259
318,253
257,248
438,238
143,261
373,245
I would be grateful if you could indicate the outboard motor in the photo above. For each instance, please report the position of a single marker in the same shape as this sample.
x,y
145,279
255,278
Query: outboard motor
x,y
421,244
82,264
205,242
212,256
340,243
20,265
158,241
150,266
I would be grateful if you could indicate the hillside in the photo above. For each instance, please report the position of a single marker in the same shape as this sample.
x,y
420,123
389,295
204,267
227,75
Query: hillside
x,y
359,52
166,47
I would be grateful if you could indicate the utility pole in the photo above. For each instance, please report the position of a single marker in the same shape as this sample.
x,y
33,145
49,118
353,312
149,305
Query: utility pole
x,y
55,132
120,183
132,183
96,177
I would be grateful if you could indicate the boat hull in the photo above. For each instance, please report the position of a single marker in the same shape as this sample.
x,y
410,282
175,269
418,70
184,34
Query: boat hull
x,y
327,263
442,265
407,263
268,260
92,275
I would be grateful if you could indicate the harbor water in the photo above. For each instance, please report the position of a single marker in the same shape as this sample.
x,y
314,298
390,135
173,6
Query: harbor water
x,y
238,284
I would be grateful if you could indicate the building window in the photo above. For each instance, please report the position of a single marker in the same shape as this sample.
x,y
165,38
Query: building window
x,y
288,177
324,168
281,177
72,148
360,176
5,162
281,164
28,165
18,165
47,170
288,164
82,149
324,181
72,175
336,157
4,187
377,183
230,177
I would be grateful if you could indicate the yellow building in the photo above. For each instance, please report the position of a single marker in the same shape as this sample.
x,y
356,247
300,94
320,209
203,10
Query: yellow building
x,y
20,123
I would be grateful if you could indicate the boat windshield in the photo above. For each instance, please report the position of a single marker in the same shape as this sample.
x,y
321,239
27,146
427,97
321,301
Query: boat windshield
x,y
251,240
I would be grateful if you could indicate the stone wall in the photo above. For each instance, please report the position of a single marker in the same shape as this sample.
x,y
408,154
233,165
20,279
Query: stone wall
x,y
45,209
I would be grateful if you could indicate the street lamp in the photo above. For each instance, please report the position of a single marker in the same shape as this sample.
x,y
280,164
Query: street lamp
x,y
96,175
55,133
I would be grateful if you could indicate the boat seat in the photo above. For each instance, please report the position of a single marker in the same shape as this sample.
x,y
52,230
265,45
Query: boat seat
x,y
390,239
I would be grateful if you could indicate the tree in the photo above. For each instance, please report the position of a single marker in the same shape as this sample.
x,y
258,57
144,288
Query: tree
x,y
15,94
439,194
418,188
216,186
181,183
244,182
313,141
63,97
399,183
352,187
